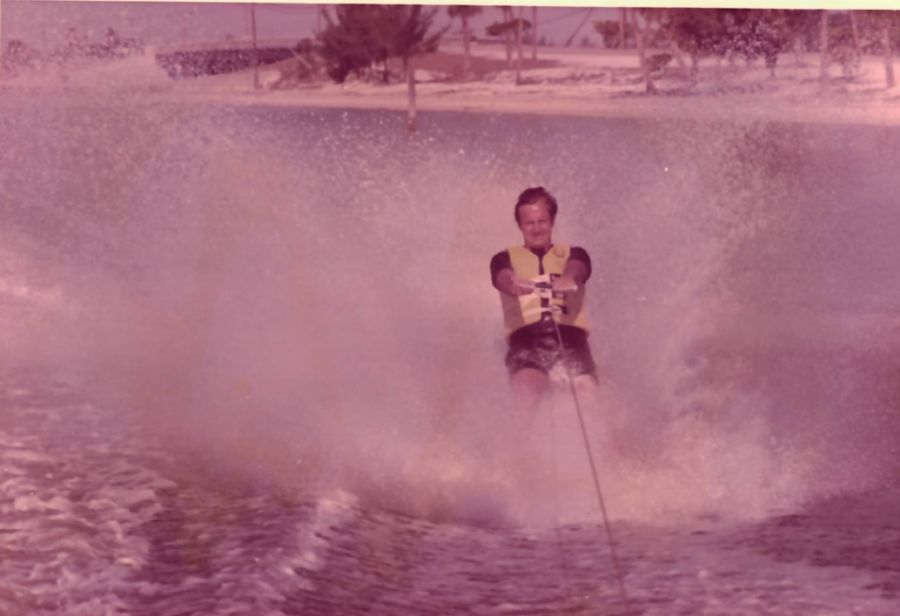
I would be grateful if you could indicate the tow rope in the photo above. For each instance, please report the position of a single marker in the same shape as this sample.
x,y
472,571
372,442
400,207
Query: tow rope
x,y
590,455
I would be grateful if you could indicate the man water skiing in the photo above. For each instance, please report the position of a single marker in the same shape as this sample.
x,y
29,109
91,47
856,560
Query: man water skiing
x,y
541,288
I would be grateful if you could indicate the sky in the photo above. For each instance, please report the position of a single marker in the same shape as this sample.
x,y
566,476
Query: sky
x,y
42,24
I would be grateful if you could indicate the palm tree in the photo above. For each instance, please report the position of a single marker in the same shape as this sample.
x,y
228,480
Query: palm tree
x,y
464,13
507,33
642,38
886,18
505,27
857,52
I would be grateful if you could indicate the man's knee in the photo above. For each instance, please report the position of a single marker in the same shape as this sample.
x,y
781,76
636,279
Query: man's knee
x,y
529,379
586,384
528,385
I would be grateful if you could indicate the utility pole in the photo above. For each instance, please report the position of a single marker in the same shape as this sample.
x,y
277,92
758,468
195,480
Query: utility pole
x,y
184,25
583,21
519,46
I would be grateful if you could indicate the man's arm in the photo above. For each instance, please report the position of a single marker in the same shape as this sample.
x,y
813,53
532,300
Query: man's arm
x,y
576,272
507,282
504,277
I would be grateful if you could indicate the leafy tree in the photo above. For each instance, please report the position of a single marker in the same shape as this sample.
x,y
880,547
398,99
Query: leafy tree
x,y
771,37
729,33
755,33
361,34
608,31
799,28
884,22
657,32
498,28
18,55
305,53
347,42
506,28
698,32
464,12
663,38
611,33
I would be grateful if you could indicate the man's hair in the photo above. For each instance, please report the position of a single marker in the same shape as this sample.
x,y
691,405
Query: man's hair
x,y
530,196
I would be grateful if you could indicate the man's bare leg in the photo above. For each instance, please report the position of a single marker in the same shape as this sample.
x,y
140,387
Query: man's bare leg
x,y
528,385
598,411
525,445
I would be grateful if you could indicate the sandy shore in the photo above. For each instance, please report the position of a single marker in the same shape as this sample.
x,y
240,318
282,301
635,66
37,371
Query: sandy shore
x,y
586,83
721,108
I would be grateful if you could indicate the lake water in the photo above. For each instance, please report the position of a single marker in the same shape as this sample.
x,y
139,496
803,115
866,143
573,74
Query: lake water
x,y
253,364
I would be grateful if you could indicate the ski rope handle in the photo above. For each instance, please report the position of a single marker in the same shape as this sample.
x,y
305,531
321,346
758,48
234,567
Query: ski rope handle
x,y
546,290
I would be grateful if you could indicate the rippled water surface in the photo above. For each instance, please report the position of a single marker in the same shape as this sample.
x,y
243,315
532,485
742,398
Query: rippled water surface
x,y
252,364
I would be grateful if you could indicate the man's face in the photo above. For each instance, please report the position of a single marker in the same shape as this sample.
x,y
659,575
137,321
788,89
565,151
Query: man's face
x,y
536,225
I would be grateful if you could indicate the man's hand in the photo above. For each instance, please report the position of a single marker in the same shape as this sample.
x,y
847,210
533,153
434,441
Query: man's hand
x,y
564,284
509,283
520,286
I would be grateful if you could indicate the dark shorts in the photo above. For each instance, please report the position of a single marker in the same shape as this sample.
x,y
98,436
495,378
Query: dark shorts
x,y
537,346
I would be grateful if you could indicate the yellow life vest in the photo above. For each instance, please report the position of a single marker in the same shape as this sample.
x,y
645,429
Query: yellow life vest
x,y
527,309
